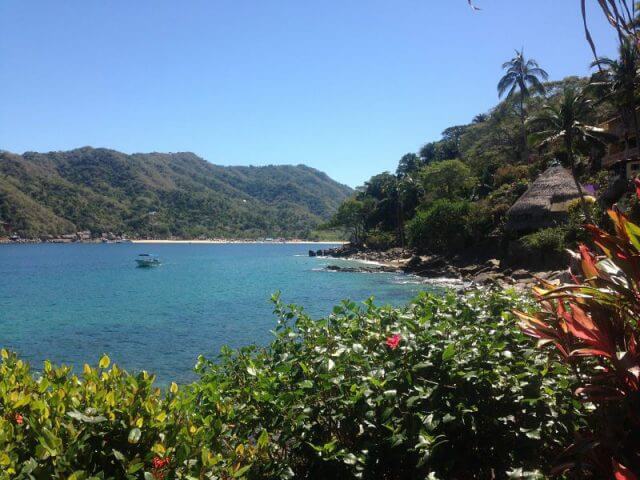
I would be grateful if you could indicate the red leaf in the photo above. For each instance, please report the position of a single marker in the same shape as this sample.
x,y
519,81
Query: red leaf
x,y
622,473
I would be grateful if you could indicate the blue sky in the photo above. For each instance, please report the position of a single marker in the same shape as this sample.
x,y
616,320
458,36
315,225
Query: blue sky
x,y
345,86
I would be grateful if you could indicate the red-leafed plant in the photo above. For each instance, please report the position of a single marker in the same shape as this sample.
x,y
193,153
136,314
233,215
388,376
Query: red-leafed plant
x,y
594,325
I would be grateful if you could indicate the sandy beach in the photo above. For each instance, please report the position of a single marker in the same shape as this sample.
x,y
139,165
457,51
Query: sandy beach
x,y
221,241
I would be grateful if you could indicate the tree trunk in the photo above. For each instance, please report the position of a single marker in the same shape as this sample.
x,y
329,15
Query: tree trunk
x,y
525,153
400,221
574,174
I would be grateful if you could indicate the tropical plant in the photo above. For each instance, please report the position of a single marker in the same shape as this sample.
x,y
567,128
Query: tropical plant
x,y
448,179
524,77
445,387
618,82
440,228
352,215
562,126
107,423
593,326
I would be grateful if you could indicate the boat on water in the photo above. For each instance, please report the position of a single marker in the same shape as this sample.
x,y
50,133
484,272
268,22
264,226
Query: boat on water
x,y
147,260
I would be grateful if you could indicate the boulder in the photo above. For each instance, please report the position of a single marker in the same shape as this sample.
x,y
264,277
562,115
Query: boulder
x,y
494,264
312,253
521,274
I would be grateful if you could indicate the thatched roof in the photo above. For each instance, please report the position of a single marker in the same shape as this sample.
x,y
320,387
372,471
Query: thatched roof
x,y
545,202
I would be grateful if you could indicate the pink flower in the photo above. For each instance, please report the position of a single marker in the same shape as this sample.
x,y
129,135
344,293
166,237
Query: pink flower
x,y
19,419
393,341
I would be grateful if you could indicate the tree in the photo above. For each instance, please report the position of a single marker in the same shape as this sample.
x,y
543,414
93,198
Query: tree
x,y
618,82
522,76
480,118
563,125
352,215
448,179
408,164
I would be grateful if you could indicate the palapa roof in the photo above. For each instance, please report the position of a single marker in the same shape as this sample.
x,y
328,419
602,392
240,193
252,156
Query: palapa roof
x,y
545,202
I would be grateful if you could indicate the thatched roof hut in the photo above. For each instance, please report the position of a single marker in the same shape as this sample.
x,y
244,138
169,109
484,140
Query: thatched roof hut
x,y
545,202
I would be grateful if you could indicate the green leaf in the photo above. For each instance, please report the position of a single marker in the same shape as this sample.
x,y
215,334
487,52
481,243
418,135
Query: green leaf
x,y
134,435
104,361
449,352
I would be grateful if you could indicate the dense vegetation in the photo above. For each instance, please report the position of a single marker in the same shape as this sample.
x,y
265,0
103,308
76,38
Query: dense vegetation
x,y
454,193
160,195
440,388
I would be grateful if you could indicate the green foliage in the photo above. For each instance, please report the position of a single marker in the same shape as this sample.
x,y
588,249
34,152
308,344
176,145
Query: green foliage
x,y
446,179
441,228
444,386
160,195
106,424
441,387
380,240
546,240
592,325
352,215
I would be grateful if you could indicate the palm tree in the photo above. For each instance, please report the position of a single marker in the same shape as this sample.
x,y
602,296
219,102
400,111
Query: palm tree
x,y
563,125
522,76
617,81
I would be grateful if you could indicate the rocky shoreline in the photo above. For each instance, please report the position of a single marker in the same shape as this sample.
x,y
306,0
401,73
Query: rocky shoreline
x,y
491,272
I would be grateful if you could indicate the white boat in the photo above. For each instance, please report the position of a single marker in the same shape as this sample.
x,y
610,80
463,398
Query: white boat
x,y
147,260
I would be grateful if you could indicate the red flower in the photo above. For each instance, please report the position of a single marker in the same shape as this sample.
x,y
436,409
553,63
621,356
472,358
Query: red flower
x,y
393,341
158,462
19,419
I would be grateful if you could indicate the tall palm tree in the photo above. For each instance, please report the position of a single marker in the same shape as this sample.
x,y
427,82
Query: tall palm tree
x,y
562,126
617,81
522,76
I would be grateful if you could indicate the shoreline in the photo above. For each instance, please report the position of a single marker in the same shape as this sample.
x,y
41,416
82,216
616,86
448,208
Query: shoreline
x,y
491,272
224,242
24,241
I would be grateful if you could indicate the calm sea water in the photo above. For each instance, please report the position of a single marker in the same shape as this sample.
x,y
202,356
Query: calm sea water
x,y
71,303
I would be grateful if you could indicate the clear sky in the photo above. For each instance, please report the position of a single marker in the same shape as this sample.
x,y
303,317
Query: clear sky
x,y
345,86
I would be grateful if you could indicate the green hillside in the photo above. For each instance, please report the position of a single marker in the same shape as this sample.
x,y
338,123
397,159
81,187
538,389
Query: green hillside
x,y
160,195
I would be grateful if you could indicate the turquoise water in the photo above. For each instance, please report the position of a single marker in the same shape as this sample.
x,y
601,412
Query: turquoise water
x,y
71,303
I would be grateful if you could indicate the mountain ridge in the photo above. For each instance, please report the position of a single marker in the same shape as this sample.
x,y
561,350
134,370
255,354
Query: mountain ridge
x,y
160,195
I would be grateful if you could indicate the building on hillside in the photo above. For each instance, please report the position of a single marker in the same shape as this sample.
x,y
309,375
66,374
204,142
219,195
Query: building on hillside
x,y
621,158
545,203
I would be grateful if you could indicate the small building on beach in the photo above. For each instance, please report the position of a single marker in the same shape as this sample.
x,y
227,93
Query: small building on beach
x,y
545,203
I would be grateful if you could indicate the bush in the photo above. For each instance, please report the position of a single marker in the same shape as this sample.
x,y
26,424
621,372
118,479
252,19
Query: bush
x,y
107,424
507,174
437,389
548,240
442,228
593,327
380,240
444,386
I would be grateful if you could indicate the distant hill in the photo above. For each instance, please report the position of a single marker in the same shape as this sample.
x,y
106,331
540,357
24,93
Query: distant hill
x,y
160,195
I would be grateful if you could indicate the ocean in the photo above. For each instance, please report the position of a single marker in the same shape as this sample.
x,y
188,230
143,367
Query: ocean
x,y
72,303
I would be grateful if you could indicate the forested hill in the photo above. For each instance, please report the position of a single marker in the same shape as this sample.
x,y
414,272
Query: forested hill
x,y
160,195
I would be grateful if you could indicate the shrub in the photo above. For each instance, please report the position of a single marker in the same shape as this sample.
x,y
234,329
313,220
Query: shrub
x,y
547,240
381,240
507,174
441,388
105,424
593,326
442,228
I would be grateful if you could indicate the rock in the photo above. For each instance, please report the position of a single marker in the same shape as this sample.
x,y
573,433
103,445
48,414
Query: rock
x,y
414,262
494,264
562,276
319,253
521,274
312,253
488,278
374,269
469,270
